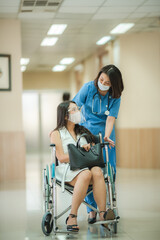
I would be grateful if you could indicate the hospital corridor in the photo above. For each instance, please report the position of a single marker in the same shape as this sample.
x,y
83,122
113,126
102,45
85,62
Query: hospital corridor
x,y
138,203
79,79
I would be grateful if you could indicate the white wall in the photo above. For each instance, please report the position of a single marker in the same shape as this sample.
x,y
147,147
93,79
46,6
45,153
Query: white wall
x,y
138,125
139,61
11,101
91,68
89,71
12,147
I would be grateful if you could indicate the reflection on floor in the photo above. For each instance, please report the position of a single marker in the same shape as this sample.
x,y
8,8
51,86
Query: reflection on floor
x,y
21,206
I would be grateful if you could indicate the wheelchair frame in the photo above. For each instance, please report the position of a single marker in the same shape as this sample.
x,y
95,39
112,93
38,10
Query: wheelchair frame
x,y
49,220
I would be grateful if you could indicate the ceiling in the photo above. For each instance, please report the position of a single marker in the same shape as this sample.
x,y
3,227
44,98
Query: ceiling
x,y
87,20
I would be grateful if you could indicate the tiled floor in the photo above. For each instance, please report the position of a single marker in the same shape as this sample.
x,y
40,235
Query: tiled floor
x,y
21,207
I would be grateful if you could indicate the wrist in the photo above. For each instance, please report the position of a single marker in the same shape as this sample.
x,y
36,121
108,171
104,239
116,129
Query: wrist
x,y
106,136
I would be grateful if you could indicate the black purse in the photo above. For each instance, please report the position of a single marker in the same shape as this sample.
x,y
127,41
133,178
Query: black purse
x,y
80,158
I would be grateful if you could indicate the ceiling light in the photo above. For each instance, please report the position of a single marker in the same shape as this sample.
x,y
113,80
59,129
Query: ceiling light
x,y
24,61
49,41
67,60
58,68
122,28
103,40
23,68
57,29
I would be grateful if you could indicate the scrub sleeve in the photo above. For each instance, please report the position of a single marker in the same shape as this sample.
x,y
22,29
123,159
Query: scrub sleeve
x,y
89,99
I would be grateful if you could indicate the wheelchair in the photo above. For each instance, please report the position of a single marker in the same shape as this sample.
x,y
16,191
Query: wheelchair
x,y
50,183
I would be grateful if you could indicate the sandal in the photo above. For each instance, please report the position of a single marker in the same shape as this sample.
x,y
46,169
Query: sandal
x,y
92,220
74,227
108,215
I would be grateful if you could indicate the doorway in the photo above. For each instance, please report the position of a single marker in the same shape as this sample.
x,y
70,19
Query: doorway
x,y
39,118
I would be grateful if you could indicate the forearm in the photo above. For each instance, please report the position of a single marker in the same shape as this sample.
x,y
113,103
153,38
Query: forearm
x,y
109,126
63,158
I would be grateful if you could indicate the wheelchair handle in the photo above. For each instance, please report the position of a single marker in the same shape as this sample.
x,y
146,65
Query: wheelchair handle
x,y
52,145
104,144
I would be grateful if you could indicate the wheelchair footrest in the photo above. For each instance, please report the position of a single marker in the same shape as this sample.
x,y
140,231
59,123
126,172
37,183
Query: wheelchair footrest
x,y
106,221
64,231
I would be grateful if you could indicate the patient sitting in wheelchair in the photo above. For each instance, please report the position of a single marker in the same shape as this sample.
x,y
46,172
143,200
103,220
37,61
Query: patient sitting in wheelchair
x,y
68,131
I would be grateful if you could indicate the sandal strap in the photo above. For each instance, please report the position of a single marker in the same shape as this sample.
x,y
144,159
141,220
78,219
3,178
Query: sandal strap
x,y
102,211
74,225
73,215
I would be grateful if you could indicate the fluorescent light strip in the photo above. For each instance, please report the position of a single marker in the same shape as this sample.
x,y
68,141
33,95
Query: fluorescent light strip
x,y
49,41
103,40
58,68
122,28
57,29
67,61
24,61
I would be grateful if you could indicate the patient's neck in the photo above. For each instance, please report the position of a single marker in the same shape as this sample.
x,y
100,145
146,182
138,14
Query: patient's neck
x,y
70,126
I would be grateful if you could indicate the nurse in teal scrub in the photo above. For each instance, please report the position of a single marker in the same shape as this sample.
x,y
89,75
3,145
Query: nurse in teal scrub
x,y
100,101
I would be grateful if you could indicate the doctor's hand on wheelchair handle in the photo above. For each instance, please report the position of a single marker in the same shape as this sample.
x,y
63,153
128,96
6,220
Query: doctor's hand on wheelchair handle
x,y
111,143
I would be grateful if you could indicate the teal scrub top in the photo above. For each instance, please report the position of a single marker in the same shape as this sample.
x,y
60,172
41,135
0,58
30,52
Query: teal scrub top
x,y
94,107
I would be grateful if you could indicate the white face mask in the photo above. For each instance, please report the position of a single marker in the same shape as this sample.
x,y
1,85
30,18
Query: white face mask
x,y
75,117
102,87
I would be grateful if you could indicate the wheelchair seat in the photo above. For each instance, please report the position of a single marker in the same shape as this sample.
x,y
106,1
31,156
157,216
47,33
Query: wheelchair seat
x,y
70,187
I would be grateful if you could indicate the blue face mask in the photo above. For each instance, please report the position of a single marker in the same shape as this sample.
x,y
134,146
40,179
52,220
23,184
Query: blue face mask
x,y
102,87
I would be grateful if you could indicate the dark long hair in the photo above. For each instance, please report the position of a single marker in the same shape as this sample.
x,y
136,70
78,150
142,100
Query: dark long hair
x,y
115,77
62,118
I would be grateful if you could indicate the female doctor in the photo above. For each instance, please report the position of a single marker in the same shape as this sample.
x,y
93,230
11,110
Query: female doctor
x,y
100,102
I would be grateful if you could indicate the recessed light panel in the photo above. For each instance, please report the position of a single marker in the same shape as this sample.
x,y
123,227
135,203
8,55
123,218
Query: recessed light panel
x,y
58,68
67,61
49,41
23,68
24,61
103,40
122,28
57,29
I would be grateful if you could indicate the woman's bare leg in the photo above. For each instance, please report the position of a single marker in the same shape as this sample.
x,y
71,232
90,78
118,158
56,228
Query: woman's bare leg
x,y
99,189
80,183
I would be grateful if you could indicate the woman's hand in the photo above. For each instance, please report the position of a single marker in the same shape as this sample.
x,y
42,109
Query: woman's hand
x,y
111,143
87,147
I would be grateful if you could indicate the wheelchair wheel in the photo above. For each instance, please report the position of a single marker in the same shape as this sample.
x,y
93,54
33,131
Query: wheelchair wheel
x,y
47,223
